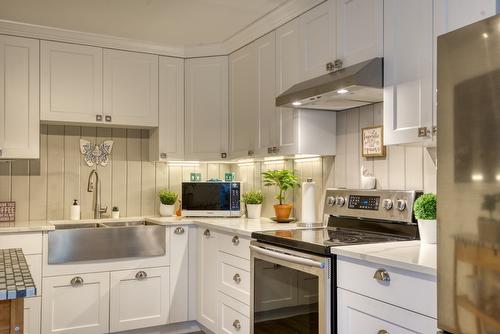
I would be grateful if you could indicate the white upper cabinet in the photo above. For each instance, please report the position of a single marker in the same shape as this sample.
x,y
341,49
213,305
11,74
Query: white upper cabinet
x,y
360,30
19,102
243,101
206,136
287,56
454,14
167,141
317,38
71,83
267,115
130,88
408,71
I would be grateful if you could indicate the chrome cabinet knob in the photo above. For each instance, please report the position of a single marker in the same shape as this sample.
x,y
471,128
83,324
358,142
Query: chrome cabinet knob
x,y
207,233
98,118
330,201
382,275
340,201
235,240
179,230
382,331
237,324
141,275
76,282
237,278
387,204
401,204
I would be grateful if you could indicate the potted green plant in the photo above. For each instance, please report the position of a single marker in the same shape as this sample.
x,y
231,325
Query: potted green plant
x,y
253,202
424,209
167,202
285,180
115,212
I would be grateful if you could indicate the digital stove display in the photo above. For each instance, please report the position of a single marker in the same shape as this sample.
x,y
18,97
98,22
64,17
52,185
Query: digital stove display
x,y
364,202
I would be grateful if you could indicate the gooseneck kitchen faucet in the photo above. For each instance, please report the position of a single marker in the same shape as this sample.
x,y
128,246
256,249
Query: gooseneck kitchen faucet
x,y
94,186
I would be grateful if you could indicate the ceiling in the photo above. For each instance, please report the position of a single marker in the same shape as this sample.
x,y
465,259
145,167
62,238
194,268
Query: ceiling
x,y
167,22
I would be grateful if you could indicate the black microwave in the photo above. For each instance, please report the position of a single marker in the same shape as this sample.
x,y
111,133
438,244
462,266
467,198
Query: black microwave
x,y
211,199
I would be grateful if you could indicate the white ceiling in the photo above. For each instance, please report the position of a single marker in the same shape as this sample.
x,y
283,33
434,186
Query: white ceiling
x,y
166,22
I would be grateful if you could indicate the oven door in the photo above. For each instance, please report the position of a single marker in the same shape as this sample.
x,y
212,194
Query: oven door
x,y
290,291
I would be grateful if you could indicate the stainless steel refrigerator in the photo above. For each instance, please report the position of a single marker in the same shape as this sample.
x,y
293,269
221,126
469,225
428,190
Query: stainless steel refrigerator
x,y
468,159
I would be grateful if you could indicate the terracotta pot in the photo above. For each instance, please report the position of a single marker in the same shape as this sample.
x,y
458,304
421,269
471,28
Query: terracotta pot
x,y
282,210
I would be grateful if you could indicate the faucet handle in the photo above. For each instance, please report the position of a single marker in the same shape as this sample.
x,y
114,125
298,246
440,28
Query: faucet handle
x,y
103,210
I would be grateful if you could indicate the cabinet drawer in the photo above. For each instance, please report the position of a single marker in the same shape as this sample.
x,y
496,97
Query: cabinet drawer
x,y
360,314
234,317
234,277
139,298
31,243
235,244
76,304
413,291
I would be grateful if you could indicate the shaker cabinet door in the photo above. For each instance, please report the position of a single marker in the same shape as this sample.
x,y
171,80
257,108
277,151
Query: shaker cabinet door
x,y
139,298
76,304
19,91
179,274
71,82
130,88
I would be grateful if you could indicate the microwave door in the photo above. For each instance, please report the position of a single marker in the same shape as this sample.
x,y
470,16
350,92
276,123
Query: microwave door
x,y
290,292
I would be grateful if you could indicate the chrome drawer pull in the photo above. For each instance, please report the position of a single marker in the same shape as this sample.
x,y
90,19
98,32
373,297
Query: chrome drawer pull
x,y
237,324
237,278
236,240
141,275
207,233
382,331
382,275
76,282
179,230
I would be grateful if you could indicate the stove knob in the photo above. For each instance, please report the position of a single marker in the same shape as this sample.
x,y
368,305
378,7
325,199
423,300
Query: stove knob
x,y
330,201
401,204
387,204
340,201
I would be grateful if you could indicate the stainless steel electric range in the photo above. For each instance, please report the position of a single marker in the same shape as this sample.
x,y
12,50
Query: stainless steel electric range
x,y
293,282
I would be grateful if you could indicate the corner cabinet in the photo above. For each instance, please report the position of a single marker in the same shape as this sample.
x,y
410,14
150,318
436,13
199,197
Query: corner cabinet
x,y
130,83
19,98
167,140
455,14
71,83
408,71
206,104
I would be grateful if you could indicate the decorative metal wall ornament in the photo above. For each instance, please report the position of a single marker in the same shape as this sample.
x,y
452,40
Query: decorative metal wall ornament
x,y
96,154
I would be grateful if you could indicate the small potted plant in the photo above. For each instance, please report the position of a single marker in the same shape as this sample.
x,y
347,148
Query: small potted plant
x,y
285,180
425,212
253,202
115,212
167,202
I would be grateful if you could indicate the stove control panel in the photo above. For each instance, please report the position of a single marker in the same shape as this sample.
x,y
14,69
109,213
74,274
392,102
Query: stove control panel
x,y
387,205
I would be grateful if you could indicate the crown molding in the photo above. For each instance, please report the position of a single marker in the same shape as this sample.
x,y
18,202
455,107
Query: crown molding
x,y
253,31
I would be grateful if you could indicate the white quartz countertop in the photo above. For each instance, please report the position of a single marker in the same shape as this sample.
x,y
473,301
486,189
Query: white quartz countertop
x,y
408,255
242,226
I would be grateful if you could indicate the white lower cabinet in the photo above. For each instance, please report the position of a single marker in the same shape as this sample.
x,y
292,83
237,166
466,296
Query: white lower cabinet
x,y
76,304
139,298
360,314
179,274
234,316
234,277
32,309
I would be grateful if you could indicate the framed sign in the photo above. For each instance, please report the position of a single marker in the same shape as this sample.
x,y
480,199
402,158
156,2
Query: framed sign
x,y
7,211
372,141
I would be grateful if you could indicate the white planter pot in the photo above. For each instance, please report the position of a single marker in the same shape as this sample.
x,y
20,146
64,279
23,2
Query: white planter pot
x,y
167,210
115,214
427,230
253,211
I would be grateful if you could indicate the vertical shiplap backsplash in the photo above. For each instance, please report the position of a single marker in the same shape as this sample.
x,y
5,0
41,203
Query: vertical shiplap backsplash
x,y
403,167
45,188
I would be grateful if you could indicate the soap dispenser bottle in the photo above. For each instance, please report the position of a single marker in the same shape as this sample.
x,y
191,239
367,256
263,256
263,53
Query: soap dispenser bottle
x,y
75,210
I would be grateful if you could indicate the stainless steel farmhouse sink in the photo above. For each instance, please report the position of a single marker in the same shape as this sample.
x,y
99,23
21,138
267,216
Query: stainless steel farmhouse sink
x,y
105,240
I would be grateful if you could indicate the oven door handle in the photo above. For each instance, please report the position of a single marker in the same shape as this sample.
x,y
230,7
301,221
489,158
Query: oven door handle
x,y
287,257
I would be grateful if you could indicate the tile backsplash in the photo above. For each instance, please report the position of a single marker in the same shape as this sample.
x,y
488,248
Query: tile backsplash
x,y
45,188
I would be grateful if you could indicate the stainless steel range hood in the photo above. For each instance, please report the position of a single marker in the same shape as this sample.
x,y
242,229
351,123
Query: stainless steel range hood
x,y
347,88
